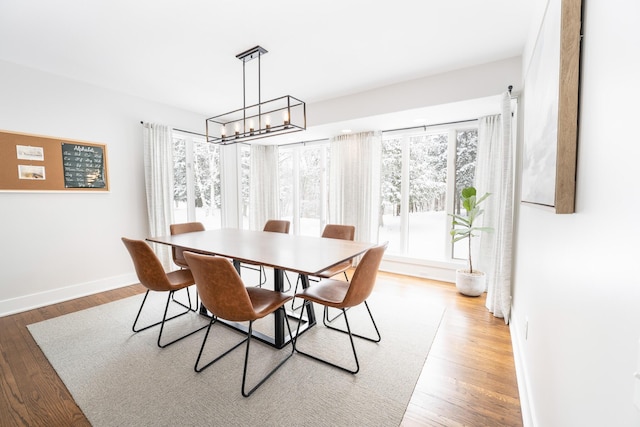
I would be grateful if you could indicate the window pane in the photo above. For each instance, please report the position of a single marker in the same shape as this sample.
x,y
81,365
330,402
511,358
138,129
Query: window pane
x,y
285,169
310,191
391,175
196,189
179,180
245,181
207,184
466,151
427,196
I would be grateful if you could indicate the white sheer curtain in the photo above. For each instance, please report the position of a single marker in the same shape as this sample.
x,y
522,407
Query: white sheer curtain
x,y
264,193
158,175
354,183
494,174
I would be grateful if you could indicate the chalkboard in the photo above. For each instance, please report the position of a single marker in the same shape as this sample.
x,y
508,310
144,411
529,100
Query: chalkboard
x,y
83,166
44,163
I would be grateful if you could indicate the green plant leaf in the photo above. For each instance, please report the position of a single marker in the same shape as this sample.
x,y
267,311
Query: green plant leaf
x,y
467,205
468,192
459,220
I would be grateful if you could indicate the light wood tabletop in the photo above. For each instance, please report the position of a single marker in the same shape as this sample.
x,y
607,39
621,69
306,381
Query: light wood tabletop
x,y
301,254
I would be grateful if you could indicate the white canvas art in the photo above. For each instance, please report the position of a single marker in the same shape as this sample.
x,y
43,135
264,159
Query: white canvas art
x,y
541,122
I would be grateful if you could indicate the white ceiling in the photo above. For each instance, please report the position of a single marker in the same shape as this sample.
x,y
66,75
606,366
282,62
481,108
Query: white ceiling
x,y
182,52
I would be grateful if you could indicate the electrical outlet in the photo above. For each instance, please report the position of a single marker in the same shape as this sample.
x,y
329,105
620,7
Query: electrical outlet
x,y
636,390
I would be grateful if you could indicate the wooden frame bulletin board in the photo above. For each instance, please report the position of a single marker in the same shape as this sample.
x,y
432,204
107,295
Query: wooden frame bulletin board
x,y
42,163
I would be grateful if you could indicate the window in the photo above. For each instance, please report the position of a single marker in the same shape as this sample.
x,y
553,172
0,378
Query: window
x,y
196,170
466,152
303,187
245,182
422,174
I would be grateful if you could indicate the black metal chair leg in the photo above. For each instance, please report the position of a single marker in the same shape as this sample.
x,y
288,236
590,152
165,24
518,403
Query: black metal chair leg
x,y
204,341
356,335
325,316
246,356
299,280
263,282
286,276
293,301
163,321
133,328
262,273
190,307
353,348
246,359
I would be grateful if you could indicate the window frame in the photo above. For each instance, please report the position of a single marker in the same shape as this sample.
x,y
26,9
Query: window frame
x,y
404,135
190,141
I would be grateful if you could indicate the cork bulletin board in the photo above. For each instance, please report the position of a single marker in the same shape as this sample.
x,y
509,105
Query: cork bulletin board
x,y
42,163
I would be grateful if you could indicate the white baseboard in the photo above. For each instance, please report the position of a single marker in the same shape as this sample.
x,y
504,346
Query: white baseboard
x,y
517,343
444,272
53,296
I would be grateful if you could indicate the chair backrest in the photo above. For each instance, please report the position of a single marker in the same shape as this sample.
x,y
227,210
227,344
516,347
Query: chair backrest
x,y
337,231
220,287
148,267
364,278
277,226
185,227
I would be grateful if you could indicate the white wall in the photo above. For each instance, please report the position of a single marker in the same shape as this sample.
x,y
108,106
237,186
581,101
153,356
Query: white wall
x,y
574,275
481,81
56,246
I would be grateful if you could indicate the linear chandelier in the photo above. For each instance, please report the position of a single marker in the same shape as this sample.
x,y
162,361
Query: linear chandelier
x,y
270,118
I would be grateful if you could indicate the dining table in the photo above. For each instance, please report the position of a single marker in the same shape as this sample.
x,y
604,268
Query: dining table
x,y
305,255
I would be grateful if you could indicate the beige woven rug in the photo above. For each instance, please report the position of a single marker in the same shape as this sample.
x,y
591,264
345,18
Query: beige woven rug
x,y
119,378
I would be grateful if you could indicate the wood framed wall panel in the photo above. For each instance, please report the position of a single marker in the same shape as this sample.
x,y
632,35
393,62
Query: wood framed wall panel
x,y
570,41
551,110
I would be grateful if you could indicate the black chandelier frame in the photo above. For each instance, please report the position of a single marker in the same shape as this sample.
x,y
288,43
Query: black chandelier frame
x,y
259,120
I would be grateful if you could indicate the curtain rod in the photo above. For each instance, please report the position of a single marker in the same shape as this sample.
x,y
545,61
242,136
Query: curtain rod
x,y
311,141
188,131
383,131
183,131
430,125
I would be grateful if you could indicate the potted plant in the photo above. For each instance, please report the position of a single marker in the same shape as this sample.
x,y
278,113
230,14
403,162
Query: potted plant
x,y
469,281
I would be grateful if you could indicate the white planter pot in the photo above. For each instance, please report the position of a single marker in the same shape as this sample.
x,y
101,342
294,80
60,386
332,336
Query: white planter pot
x,y
471,284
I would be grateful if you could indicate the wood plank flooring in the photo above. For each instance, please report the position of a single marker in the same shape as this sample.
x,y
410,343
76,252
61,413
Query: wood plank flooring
x,y
468,379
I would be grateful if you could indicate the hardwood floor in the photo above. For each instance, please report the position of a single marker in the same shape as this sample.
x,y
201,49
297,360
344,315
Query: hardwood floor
x,y
468,379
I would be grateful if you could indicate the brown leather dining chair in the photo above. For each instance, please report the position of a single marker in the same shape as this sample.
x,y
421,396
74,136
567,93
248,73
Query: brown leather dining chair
x,y
343,295
176,253
332,231
274,226
184,227
224,294
338,231
277,226
152,276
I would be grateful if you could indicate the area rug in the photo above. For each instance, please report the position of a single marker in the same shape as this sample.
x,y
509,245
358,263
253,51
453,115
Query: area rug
x,y
121,378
